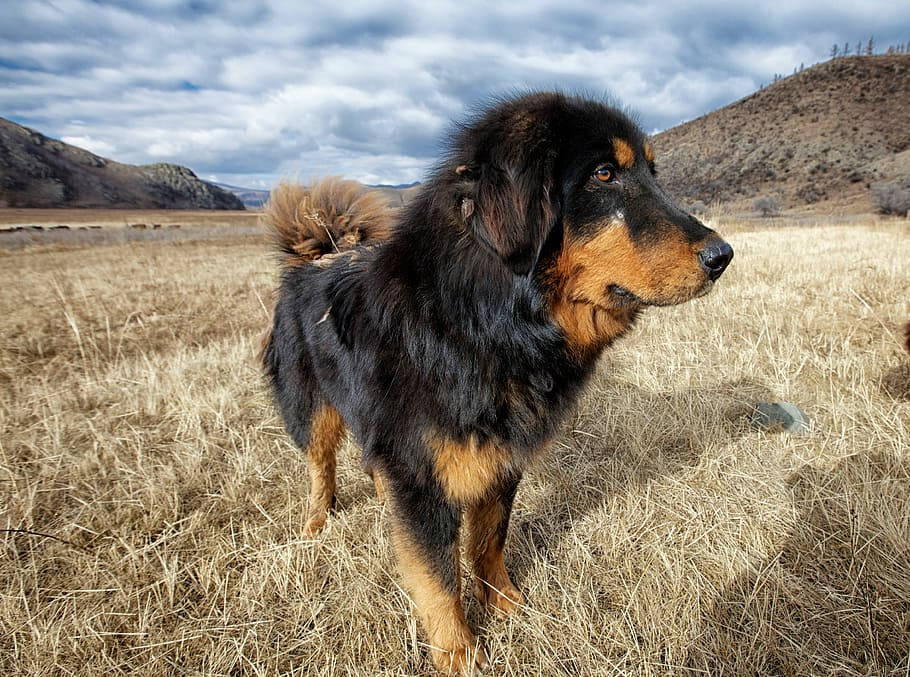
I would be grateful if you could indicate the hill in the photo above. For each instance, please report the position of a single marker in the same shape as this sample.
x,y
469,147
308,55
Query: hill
x,y
37,171
250,197
827,133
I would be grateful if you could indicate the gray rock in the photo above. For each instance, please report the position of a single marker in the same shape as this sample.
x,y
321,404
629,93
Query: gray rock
x,y
780,416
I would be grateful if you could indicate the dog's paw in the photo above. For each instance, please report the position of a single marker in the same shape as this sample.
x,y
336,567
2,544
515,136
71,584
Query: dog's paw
x,y
466,661
315,524
504,599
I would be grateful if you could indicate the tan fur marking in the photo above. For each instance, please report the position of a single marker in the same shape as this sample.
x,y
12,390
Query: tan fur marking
x,y
327,429
466,469
264,341
623,152
492,585
379,484
653,272
588,327
649,152
663,272
453,646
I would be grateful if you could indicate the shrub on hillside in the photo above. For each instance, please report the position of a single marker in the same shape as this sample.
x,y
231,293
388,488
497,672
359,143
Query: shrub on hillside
x,y
767,205
893,198
810,193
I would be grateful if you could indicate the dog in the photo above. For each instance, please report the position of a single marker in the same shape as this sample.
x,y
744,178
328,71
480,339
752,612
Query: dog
x,y
453,337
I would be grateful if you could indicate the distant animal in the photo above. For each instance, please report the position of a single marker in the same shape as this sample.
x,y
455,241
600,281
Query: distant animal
x,y
452,338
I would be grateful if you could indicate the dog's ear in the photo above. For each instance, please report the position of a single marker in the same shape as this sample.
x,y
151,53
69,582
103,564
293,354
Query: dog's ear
x,y
514,207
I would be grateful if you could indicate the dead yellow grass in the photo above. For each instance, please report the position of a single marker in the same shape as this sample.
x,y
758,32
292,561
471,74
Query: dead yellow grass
x,y
121,217
153,507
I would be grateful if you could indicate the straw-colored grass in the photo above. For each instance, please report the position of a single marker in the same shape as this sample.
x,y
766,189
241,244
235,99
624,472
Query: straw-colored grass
x,y
153,507
118,218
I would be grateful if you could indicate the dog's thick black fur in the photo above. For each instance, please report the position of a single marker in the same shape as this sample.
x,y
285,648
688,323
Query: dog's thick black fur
x,y
453,338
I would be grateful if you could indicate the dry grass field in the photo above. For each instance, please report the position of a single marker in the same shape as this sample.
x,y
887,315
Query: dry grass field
x,y
123,217
152,508
56,229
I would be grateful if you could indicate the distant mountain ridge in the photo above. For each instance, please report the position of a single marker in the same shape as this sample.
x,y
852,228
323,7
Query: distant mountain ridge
x,y
827,133
396,186
38,171
251,197
254,198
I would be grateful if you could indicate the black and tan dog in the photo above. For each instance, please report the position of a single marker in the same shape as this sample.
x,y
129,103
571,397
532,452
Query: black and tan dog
x,y
453,338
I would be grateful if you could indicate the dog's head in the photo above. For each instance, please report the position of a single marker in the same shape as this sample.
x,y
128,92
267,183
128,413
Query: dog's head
x,y
565,189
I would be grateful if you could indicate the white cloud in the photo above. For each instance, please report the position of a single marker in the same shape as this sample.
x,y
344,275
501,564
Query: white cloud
x,y
96,146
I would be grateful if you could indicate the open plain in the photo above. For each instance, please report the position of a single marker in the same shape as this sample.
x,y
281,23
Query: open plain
x,y
152,507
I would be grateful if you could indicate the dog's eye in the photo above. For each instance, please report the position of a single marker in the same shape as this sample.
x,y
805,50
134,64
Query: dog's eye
x,y
605,174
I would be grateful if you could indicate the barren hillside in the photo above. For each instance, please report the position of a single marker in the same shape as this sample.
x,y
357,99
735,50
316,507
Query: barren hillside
x,y
827,133
37,171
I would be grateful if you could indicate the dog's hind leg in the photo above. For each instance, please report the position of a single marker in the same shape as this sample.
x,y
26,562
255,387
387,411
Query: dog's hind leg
x,y
313,423
326,431
487,524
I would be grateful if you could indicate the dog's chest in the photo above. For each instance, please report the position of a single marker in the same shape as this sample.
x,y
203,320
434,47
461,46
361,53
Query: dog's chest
x,y
530,409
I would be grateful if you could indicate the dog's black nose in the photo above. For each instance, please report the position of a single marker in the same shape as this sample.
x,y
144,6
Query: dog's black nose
x,y
715,258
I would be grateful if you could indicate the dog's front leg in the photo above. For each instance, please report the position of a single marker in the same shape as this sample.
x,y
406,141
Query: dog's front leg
x,y
487,525
425,534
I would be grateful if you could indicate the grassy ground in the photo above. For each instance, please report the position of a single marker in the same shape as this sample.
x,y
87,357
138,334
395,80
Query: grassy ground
x,y
56,229
152,506
113,218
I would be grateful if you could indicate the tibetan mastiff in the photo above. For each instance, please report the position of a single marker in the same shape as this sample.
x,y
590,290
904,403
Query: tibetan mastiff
x,y
452,337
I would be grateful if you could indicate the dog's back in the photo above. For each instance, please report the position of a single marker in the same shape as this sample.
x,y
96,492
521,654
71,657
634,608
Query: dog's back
x,y
311,224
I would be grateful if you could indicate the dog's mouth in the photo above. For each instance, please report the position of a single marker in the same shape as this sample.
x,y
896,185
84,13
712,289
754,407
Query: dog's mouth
x,y
623,297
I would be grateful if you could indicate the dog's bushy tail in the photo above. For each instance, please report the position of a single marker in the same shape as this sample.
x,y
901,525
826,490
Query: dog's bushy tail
x,y
907,336
331,215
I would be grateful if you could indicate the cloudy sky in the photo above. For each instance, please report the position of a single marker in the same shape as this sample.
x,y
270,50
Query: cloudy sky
x,y
251,92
